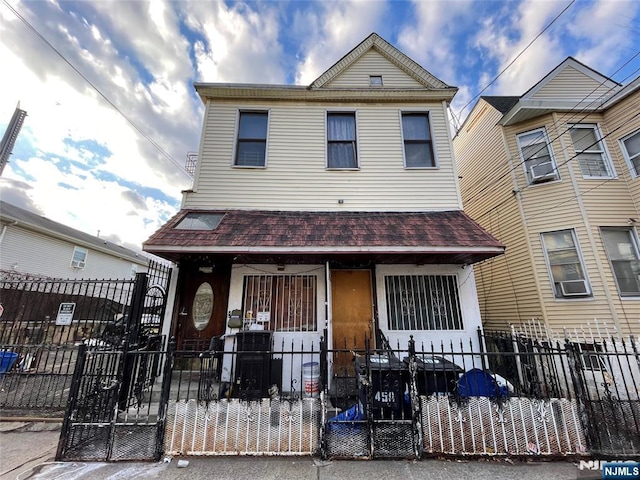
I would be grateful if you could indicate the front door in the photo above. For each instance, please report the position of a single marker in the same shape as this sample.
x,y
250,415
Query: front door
x,y
352,312
203,306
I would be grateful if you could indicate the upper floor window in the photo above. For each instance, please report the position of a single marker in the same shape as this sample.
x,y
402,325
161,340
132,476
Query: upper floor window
x,y
416,135
423,302
79,258
251,145
134,270
567,270
375,80
537,156
341,140
590,152
631,150
621,245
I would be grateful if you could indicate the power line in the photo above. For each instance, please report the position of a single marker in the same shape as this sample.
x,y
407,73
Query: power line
x,y
602,98
92,85
517,56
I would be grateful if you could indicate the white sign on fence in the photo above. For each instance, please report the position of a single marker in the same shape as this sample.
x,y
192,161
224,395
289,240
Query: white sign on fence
x,y
65,313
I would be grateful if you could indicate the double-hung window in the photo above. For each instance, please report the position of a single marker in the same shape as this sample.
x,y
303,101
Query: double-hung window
x,y
621,245
423,302
590,151
342,150
418,146
251,145
567,271
631,150
537,156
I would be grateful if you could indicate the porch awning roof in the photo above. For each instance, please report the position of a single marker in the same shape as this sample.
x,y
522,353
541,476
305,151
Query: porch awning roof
x,y
445,237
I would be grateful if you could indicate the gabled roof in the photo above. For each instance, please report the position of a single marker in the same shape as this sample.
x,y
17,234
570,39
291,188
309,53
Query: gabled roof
x,y
502,104
12,215
433,88
571,85
450,234
388,51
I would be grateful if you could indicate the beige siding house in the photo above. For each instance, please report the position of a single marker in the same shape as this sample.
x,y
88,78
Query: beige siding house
x,y
552,174
329,209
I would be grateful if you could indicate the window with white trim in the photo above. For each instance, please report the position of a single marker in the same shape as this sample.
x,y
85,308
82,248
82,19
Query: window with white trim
x,y
631,150
251,144
418,145
284,303
565,264
342,149
621,245
590,152
79,257
537,156
423,302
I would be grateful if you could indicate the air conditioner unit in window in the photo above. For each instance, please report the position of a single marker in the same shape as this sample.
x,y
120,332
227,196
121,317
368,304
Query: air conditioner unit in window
x,y
77,264
574,288
542,171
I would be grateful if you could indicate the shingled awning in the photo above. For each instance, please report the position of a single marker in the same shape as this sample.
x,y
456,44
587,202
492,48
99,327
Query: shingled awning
x,y
392,237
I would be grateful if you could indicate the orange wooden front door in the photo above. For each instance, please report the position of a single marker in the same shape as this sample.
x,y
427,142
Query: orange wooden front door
x,y
352,311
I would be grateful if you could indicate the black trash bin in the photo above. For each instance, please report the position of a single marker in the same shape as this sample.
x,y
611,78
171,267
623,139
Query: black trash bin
x,y
387,387
435,374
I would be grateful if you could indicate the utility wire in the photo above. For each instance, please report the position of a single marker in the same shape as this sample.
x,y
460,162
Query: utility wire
x,y
601,99
517,56
114,106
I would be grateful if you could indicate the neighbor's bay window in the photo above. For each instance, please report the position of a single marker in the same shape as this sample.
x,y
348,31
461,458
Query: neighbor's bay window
x,y
621,245
342,151
418,146
251,145
284,303
423,302
565,264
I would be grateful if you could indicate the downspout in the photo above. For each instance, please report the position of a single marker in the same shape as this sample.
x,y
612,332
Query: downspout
x,y
328,315
4,229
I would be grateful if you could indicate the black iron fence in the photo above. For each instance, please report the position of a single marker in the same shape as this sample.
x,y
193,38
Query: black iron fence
x,y
45,320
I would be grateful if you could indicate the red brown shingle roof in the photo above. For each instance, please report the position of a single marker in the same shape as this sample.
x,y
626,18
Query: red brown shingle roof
x,y
357,231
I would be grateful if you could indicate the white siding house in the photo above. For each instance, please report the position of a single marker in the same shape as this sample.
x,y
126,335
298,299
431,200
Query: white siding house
x,y
32,245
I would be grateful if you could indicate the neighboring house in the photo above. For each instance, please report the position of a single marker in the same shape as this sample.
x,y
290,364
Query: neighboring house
x,y
553,174
333,205
34,246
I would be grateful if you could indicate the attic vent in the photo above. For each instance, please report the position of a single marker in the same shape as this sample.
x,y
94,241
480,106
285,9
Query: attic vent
x,y
200,221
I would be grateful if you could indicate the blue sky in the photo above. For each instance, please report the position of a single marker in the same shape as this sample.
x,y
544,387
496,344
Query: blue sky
x,y
102,147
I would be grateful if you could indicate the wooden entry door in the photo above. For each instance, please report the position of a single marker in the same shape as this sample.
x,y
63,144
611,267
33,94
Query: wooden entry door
x,y
194,331
352,311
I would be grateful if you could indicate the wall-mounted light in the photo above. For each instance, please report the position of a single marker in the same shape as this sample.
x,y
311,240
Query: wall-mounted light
x,y
280,268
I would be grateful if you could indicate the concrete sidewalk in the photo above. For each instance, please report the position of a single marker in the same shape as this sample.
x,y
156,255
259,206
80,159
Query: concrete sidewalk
x,y
27,451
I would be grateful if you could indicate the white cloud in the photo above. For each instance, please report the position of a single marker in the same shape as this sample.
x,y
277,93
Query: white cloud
x,y
327,34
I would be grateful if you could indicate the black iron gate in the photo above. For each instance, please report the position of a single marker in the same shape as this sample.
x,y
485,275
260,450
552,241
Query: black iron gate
x,y
118,395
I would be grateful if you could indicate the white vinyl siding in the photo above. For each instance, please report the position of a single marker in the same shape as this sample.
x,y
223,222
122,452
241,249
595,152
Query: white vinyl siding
x,y
297,178
372,63
26,251
590,151
630,146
